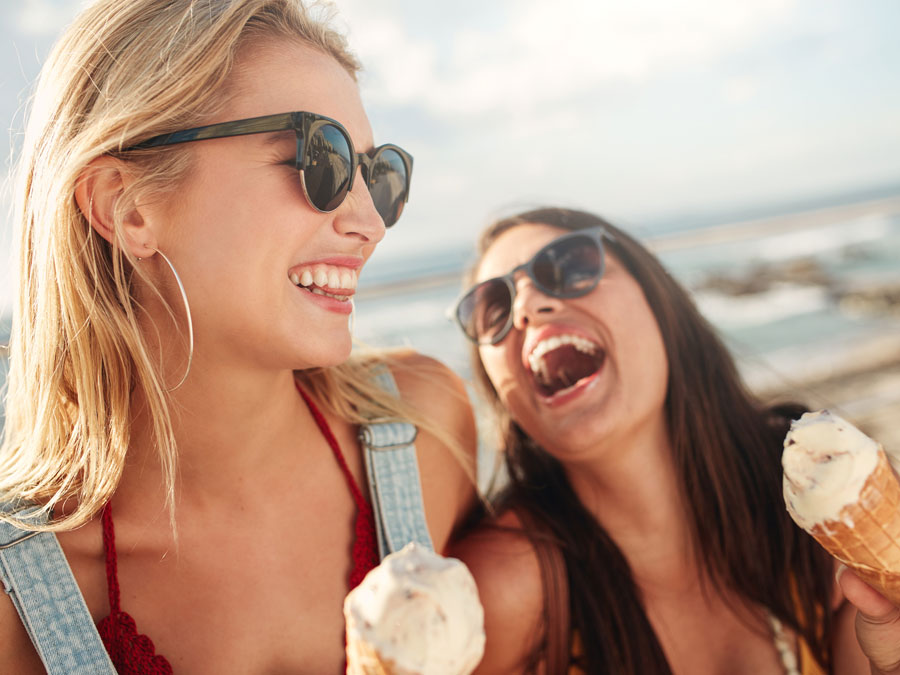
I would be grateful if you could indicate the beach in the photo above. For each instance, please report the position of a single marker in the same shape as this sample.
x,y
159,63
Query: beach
x,y
866,393
808,302
852,371
852,366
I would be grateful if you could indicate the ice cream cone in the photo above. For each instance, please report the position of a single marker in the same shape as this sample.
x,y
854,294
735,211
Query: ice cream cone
x,y
363,659
866,537
840,487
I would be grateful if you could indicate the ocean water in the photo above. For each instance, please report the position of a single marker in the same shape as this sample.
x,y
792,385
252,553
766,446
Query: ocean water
x,y
795,296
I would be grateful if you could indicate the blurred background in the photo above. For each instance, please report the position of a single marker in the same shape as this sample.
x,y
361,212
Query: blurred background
x,y
754,145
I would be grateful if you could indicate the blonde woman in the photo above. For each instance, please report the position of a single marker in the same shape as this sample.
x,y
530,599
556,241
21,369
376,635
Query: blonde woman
x,y
194,473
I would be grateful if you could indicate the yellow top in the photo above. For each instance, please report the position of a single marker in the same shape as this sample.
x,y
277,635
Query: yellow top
x,y
808,663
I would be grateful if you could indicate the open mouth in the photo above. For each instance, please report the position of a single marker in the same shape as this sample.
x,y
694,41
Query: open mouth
x,y
563,361
326,280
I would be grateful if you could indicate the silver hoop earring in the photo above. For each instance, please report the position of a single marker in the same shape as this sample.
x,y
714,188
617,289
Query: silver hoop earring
x,y
190,323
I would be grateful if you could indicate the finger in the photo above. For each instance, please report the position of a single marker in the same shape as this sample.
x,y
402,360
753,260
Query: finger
x,y
872,605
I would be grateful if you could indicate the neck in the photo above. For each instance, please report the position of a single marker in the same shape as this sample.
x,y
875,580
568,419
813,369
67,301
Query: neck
x,y
633,492
237,434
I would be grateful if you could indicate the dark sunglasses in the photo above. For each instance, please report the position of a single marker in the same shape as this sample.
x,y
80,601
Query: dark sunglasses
x,y
568,267
325,159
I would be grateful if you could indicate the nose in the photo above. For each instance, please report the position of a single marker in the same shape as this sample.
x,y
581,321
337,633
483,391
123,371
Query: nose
x,y
531,305
357,216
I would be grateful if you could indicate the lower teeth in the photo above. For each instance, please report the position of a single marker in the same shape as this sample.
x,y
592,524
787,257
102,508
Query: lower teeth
x,y
319,291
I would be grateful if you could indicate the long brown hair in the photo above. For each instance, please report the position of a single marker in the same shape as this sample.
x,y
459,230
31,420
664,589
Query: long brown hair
x,y
726,447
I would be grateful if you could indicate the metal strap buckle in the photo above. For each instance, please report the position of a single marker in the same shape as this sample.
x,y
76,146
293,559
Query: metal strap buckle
x,y
25,536
366,438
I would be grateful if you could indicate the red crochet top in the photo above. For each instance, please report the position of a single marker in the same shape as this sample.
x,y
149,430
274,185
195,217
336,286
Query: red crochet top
x,y
133,653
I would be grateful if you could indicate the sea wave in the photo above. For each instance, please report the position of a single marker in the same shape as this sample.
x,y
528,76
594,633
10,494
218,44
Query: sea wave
x,y
780,302
827,239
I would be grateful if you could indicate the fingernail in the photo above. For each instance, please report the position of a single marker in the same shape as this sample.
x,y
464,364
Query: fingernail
x,y
840,570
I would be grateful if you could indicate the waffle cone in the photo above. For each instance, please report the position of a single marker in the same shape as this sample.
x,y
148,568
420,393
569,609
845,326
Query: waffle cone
x,y
866,536
363,659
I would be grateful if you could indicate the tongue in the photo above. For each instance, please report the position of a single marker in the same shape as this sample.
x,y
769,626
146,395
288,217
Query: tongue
x,y
565,366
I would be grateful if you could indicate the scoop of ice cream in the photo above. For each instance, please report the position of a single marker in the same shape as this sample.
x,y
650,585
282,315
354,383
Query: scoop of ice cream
x,y
826,462
420,613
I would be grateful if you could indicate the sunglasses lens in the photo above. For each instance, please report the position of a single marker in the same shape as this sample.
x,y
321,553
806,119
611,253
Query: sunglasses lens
x,y
484,311
570,267
388,184
327,167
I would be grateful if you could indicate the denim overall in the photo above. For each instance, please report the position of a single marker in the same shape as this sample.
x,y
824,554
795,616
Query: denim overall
x,y
38,579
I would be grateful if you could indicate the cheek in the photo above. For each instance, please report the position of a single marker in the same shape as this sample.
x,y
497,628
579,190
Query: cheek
x,y
496,364
650,353
491,365
659,365
505,378
639,345
232,202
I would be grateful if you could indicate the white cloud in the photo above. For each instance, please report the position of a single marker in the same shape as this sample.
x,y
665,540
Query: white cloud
x,y
36,18
397,68
545,52
740,89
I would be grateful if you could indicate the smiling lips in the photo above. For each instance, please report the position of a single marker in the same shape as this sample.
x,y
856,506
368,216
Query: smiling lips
x,y
331,281
561,362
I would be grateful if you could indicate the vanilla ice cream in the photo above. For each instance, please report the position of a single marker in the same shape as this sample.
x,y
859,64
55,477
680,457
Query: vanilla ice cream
x,y
417,613
826,462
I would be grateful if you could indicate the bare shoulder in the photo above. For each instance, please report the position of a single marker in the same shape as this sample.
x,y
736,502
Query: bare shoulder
x,y
431,387
506,569
18,655
446,445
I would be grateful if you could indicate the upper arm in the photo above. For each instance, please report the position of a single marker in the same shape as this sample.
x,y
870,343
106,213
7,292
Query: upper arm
x,y
446,464
17,654
507,572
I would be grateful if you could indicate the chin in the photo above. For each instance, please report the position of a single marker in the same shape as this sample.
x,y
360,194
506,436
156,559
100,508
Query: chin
x,y
335,357
567,437
324,355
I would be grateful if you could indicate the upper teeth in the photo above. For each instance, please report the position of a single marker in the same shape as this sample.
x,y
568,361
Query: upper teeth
x,y
535,358
326,276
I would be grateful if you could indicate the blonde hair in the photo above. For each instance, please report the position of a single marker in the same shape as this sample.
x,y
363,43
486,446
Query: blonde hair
x,y
125,70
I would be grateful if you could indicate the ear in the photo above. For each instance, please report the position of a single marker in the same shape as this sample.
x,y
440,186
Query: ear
x,y
99,193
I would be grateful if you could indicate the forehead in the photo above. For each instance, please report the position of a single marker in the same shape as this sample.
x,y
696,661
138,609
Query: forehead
x,y
284,75
514,247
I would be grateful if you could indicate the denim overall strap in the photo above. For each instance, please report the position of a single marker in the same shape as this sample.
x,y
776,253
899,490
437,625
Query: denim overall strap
x,y
39,581
393,474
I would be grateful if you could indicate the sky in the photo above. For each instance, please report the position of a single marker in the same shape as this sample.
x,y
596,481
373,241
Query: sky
x,y
644,111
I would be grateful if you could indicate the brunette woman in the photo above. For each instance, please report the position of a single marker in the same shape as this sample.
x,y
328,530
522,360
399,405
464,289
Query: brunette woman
x,y
643,528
